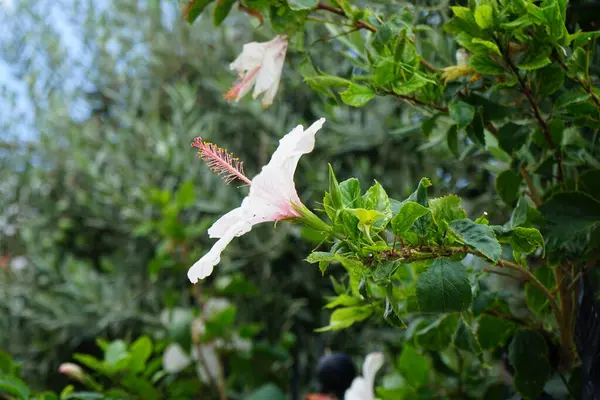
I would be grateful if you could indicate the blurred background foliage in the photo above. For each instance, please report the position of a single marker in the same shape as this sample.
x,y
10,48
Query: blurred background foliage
x,y
104,204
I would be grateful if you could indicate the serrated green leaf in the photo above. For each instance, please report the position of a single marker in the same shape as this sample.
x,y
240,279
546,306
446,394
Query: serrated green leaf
x,y
569,215
483,64
342,300
407,215
444,287
318,256
357,95
416,82
569,98
550,79
350,191
536,59
445,210
525,240
528,354
478,237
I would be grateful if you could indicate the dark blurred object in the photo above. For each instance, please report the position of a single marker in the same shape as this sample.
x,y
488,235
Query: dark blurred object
x,y
587,338
586,15
335,373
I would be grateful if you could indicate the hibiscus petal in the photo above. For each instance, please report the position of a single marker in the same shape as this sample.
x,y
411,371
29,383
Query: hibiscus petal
x,y
373,363
251,57
204,266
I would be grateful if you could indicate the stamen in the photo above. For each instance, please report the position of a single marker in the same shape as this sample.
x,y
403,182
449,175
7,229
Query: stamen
x,y
221,161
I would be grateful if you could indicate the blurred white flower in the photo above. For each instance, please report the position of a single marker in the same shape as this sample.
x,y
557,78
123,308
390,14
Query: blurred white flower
x,y
214,305
18,263
362,386
175,359
260,65
272,197
175,316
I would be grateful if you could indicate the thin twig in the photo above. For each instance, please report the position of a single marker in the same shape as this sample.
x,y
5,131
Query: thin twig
x,y
413,99
535,195
536,112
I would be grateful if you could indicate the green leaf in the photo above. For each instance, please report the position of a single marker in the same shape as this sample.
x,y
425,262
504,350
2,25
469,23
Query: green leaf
x,y
268,392
186,195
222,9
491,46
463,13
528,354
478,237
555,21
6,364
525,240
115,352
384,35
536,59
519,214
475,129
494,331
483,64
511,137
334,191
569,215
344,317
452,139
196,9
507,186
550,79
302,4
407,215
140,351
318,256
484,16
438,335
588,183
577,64
462,113
357,95
13,386
445,210
350,191
377,199
535,298
569,98
392,314
342,300
444,287
416,82
413,366
421,225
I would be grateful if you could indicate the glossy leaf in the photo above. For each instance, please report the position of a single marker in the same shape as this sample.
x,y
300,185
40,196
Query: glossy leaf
x,y
444,287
